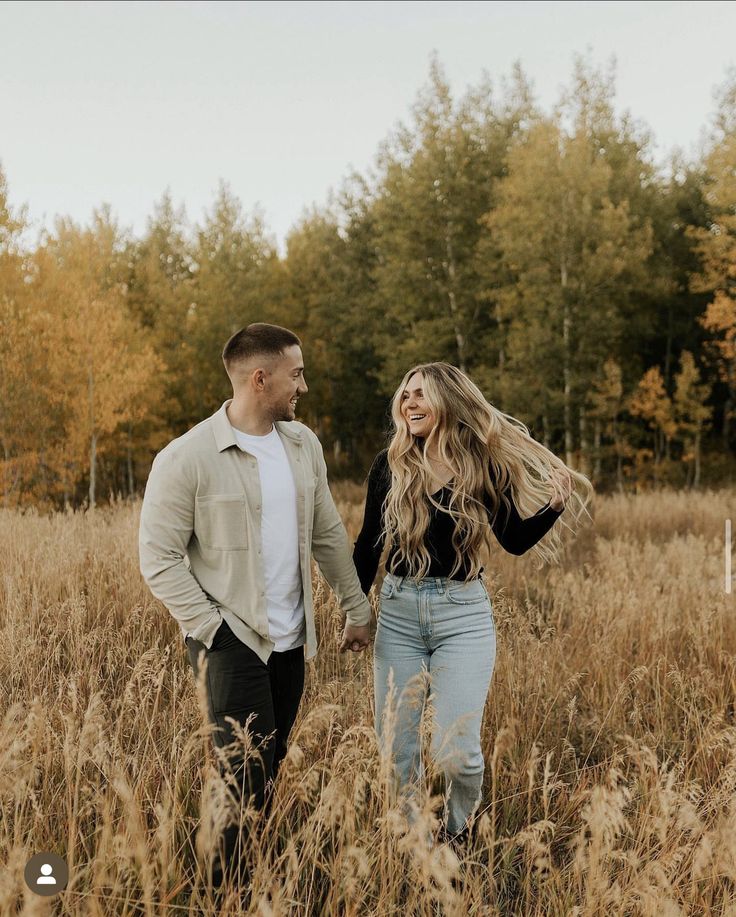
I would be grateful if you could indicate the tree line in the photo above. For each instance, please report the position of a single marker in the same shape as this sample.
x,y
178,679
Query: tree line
x,y
586,289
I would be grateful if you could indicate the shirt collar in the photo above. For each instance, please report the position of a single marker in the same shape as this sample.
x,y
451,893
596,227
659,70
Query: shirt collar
x,y
225,437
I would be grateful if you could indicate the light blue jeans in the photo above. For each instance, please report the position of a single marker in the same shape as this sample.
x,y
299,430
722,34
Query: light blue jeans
x,y
437,634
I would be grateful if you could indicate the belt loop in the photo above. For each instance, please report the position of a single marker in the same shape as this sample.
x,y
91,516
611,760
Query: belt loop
x,y
399,582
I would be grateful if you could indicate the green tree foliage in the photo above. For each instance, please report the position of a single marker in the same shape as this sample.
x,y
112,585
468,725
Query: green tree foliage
x,y
160,296
435,180
576,257
238,279
343,405
716,247
588,291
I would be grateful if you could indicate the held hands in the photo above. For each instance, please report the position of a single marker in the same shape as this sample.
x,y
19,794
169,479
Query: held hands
x,y
355,638
562,488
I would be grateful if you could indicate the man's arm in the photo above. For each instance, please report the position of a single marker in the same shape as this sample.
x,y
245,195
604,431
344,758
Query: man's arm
x,y
331,549
167,521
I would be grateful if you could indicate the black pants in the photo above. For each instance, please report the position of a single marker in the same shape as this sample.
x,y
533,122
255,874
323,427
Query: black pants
x,y
240,685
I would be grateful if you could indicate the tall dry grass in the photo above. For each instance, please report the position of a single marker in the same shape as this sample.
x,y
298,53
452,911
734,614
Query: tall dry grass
x,y
609,737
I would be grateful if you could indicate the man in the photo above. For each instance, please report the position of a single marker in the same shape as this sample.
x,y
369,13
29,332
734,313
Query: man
x,y
233,512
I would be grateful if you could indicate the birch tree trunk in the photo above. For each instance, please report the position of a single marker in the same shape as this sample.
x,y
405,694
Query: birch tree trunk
x,y
727,408
584,444
619,469
501,353
566,373
452,275
597,449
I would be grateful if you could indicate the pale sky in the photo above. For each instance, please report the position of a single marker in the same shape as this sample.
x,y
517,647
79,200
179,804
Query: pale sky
x,y
115,102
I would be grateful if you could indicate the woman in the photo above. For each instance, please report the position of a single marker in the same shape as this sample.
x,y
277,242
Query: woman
x,y
456,469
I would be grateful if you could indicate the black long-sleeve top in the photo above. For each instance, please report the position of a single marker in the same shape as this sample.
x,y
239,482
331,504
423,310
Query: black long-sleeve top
x,y
514,534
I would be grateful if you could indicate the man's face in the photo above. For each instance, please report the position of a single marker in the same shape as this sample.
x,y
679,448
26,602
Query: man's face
x,y
286,384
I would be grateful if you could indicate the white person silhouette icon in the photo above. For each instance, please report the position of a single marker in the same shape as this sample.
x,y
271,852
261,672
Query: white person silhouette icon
x,y
46,877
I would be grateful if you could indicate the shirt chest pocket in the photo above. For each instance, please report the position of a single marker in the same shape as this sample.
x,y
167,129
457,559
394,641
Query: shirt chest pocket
x,y
220,522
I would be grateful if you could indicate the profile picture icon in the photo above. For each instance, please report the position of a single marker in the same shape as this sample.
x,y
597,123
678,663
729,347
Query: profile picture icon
x,y
46,873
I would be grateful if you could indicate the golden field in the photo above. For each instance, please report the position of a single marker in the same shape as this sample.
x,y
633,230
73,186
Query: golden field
x,y
609,736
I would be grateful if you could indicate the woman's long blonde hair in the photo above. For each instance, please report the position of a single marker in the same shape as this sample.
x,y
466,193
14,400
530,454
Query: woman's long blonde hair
x,y
472,437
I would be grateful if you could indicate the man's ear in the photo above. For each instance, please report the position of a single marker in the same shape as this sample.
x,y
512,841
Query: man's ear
x,y
258,376
258,379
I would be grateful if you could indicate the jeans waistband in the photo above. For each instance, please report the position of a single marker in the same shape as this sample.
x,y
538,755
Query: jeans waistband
x,y
438,583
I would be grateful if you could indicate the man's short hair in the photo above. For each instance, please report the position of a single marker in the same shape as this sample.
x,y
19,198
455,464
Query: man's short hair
x,y
258,340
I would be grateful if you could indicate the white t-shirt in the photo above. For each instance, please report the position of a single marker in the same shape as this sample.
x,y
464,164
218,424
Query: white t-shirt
x,y
279,539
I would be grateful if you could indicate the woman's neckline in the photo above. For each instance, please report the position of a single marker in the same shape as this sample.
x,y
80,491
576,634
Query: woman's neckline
x,y
444,487
445,483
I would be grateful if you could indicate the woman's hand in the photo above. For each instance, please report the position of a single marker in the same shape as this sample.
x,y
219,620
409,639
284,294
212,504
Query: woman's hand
x,y
562,488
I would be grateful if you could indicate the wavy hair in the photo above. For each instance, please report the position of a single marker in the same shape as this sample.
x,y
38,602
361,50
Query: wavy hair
x,y
475,440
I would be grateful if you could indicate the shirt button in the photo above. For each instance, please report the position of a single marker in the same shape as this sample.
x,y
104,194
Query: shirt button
x,y
259,506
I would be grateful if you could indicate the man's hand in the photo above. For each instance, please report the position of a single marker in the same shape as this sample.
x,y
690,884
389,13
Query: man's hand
x,y
355,638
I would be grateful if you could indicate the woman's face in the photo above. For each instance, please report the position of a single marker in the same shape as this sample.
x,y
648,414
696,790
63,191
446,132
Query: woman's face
x,y
414,409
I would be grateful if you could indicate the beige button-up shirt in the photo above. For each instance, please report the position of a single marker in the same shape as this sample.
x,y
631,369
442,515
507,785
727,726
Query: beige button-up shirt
x,y
200,534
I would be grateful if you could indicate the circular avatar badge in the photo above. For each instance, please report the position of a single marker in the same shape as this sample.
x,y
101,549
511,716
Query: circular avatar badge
x,y
46,874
